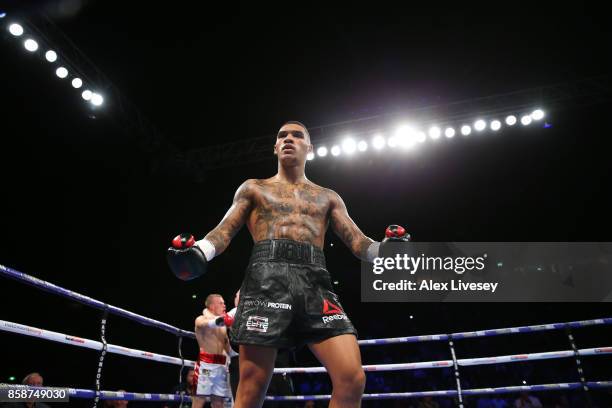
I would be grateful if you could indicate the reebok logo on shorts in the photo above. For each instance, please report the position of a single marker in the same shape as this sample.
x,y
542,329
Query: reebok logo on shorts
x,y
257,323
332,311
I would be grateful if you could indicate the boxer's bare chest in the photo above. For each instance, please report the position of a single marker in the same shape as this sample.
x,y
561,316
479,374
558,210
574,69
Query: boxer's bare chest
x,y
212,340
299,212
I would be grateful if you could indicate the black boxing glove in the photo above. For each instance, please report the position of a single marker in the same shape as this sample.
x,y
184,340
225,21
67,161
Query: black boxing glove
x,y
185,258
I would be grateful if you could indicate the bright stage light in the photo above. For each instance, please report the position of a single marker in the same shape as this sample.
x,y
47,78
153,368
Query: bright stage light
x,y
405,136
480,125
434,132
97,99
61,72
335,151
86,94
421,137
349,146
77,83
51,56
310,156
449,132
16,29
526,120
537,114
466,130
362,146
30,45
378,142
322,151
510,120
495,125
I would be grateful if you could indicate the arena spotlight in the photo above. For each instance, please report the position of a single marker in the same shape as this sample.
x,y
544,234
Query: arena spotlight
x,y
86,94
2,14
510,120
77,83
30,45
537,114
349,145
322,151
310,156
449,132
392,142
434,132
16,29
421,137
526,120
51,56
405,136
466,130
335,150
495,125
96,99
362,146
378,142
480,125
61,72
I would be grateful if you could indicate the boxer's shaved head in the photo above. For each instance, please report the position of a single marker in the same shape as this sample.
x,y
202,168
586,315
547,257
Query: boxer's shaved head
x,y
215,304
210,298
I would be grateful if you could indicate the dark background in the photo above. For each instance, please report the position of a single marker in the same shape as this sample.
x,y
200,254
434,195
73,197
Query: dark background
x,y
82,209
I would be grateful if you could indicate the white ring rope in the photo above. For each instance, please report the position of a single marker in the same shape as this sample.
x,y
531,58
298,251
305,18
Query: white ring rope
x,y
96,345
86,343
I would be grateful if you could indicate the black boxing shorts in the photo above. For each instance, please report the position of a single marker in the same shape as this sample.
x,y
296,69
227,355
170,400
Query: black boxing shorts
x,y
286,298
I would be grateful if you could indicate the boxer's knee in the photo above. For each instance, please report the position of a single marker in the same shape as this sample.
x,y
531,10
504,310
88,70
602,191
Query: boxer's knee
x,y
197,402
252,386
349,385
216,402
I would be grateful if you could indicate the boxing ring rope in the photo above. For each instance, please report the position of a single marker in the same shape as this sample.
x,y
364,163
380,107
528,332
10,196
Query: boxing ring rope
x,y
86,300
86,343
96,345
50,287
484,333
134,396
453,393
456,363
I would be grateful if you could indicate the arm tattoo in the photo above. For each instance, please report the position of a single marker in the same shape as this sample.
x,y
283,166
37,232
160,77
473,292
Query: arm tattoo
x,y
348,231
233,220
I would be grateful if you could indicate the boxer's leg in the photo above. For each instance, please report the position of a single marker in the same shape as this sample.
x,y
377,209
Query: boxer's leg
x,y
256,366
341,357
216,402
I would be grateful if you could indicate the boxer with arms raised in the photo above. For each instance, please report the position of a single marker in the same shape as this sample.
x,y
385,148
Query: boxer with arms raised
x,y
286,298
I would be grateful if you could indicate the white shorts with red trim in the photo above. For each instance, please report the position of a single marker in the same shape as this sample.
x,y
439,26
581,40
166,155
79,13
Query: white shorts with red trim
x,y
211,379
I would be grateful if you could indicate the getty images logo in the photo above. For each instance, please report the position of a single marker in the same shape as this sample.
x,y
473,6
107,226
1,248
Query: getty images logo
x,y
332,311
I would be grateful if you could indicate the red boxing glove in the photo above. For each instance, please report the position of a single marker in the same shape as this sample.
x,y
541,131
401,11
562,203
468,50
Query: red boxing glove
x,y
396,233
223,320
228,320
